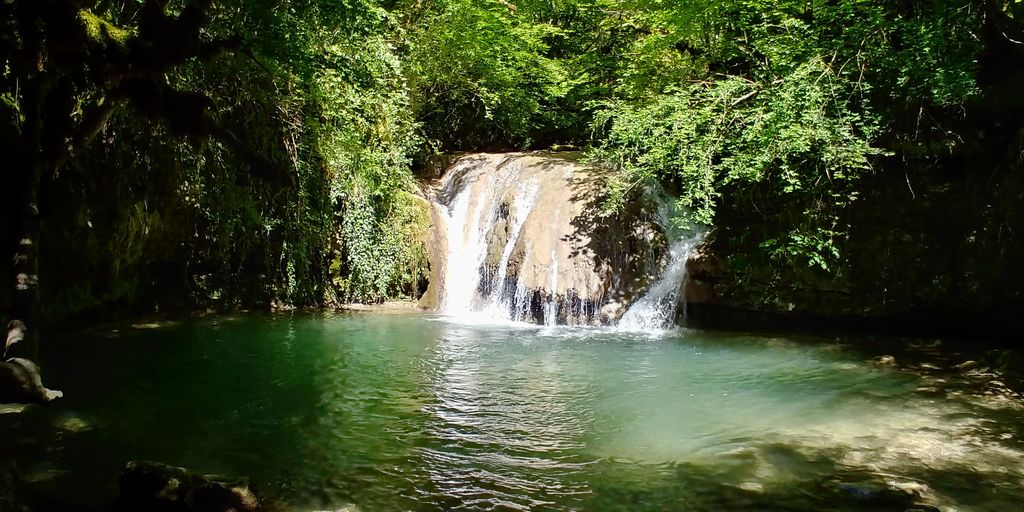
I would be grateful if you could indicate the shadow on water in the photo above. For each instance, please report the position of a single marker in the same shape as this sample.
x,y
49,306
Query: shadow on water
x,y
196,393
806,479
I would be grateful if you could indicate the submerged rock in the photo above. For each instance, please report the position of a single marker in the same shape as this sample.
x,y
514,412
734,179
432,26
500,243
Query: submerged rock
x,y
930,391
878,494
752,487
884,361
967,366
15,408
154,487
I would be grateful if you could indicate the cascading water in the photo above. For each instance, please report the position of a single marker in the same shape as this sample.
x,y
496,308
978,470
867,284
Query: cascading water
x,y
656,310
466,252
478,203
523,244
551,306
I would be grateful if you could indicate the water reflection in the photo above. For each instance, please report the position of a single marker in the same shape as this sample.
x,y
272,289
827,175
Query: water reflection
x,y
507,434
757,414
411,413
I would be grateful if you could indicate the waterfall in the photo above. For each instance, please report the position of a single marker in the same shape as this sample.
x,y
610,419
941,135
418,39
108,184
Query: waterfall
x,y
656,310
466,252
524,242
476,198
551,306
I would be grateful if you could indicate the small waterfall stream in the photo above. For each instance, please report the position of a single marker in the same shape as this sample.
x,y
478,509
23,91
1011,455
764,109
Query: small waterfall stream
x,y
512,254
477,204
656,310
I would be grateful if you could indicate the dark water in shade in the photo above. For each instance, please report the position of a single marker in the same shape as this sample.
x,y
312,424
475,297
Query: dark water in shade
x,y
406,412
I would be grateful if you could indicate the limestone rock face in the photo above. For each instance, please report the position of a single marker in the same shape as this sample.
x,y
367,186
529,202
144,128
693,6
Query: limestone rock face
x,y
523,235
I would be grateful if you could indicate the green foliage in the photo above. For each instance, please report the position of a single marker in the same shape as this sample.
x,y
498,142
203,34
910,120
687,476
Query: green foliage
x,y
781,108
777,109
384,256
480,74
319,93
333,105
363,137
102,32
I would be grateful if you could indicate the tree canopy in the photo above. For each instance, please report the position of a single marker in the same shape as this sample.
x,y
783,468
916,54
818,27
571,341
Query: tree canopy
x,y
231,152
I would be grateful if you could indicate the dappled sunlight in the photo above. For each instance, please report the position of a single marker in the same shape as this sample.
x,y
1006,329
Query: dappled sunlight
x,y
161,324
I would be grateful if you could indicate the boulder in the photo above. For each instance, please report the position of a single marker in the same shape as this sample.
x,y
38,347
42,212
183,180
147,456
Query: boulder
x,y
155,487
527,232
20,383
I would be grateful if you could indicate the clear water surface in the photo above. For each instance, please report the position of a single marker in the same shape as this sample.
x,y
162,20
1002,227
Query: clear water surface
x,y
411,412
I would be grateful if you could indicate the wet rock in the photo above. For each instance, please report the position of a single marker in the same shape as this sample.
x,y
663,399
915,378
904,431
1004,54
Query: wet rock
x,y
930,391
967,365
544,242
884,361
20,382
611,311
698,291
436,246
154,487
703,270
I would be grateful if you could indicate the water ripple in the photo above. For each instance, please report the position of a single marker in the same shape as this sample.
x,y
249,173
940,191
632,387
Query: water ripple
x,y
367,413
